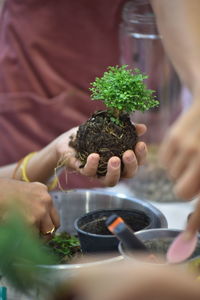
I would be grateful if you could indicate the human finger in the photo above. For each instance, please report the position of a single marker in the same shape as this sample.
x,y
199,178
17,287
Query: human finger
x,y
162,285
179,165
113,172
91,165
131,282
55,217
141,152
46,225
130,164
140,129
168,150
188,185
193,224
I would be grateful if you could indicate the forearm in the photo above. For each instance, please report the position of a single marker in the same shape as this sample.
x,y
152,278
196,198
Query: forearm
x,y
40,167
178,23
7,171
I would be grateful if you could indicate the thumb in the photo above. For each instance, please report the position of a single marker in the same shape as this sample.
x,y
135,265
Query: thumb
x,y
193,225
140,128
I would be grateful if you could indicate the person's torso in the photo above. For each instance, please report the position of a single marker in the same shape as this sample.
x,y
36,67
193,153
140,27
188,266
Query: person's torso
x,y
50,52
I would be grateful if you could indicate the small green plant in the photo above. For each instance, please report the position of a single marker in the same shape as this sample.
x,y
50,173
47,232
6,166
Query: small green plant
x,y
21,251
123,90
64,247
110,132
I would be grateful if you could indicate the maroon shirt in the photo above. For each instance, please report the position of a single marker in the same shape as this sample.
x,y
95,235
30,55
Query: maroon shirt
x,y
50,51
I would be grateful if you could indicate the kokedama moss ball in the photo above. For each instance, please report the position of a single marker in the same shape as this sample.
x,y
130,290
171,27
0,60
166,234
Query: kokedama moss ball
x,y
110,133
101,135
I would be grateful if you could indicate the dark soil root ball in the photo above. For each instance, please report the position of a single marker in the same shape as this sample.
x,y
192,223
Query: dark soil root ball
x,y
101,135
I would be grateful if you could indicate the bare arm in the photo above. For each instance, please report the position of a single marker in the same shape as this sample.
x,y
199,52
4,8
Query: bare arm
x,y
179,24
41,166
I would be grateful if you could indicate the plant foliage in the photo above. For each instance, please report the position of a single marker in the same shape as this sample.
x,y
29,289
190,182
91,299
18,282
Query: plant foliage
x,y
20,252
123,90
64,246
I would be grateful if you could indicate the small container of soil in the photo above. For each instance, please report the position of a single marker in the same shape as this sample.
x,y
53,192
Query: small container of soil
x,y
96,238
158,242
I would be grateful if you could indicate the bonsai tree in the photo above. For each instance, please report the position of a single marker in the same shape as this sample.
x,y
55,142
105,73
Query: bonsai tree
x,y
110,132
123,91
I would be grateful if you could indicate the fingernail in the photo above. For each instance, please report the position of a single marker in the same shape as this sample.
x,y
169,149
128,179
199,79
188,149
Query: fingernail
x,y
93,157
130,158
115,163
142,148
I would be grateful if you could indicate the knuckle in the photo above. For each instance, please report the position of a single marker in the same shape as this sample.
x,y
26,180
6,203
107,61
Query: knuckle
x,y
47,199
31,219
142,161
42,212
40,188
39,184
110,181
128,175
111,184
191,149
174,138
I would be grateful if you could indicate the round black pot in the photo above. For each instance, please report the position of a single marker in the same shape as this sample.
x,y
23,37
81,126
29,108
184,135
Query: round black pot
x,y
96,238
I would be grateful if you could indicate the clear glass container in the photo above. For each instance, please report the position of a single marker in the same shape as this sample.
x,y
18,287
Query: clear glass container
x,y
141,47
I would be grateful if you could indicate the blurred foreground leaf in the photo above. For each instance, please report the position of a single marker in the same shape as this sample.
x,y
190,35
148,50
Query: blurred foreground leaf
x,y
20,252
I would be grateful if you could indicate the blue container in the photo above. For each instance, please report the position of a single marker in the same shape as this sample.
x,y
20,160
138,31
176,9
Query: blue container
x,y
3,293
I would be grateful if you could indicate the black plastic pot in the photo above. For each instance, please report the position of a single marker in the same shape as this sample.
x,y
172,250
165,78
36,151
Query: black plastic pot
x,y
96,238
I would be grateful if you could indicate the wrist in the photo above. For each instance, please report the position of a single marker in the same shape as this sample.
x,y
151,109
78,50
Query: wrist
x,y
52,153
193,82
196,96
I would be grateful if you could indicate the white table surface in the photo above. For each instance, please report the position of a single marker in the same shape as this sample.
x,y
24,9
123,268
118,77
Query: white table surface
x,y
176,212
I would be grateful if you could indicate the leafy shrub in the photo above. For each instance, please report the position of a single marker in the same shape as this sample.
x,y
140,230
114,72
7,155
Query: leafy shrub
x,y
123,90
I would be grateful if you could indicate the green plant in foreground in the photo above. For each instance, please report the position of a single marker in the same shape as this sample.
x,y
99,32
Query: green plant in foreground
x,y
20,252
64,246
123,90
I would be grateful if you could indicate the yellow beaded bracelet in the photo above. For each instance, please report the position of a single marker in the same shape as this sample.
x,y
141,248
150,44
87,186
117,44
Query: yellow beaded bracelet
x,y
24,166
24,176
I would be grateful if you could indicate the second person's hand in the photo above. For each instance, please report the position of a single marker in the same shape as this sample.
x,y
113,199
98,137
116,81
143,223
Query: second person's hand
x,y
34,202
180,153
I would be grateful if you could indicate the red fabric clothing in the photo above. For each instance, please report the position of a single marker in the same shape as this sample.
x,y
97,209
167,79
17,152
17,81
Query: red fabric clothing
x,y
50,51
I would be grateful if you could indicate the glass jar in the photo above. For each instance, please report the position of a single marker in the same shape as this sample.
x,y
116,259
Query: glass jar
x,y
141,47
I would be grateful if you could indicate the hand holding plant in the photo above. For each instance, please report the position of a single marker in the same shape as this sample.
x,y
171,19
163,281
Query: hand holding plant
x,y
67,156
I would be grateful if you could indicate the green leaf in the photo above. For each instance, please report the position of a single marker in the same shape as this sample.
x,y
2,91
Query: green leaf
x,y
21,251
